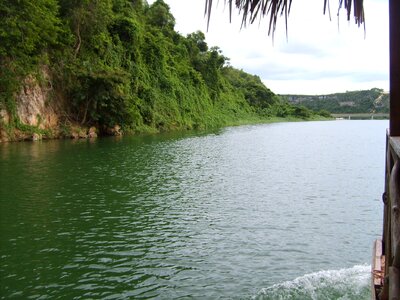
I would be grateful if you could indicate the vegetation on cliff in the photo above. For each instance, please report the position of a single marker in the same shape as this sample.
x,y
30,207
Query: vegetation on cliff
x,y
112,62
366,101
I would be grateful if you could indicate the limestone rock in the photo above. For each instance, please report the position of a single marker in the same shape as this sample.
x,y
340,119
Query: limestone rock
x,y
4,117
92,132
36,137
116,130
3,136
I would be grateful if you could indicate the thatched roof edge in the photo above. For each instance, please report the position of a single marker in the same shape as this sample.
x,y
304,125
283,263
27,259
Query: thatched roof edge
x,y
252,9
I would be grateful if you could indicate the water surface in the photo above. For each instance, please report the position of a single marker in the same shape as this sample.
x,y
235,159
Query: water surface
x,y
277,211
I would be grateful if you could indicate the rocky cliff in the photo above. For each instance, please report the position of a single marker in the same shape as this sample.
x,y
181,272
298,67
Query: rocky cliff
x,y
40,113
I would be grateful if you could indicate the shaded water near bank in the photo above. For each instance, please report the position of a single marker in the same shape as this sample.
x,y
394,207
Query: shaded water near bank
x,y
276,211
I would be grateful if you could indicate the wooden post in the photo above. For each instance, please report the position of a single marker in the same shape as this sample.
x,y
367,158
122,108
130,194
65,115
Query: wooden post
x,y
395,208
394,25
394,279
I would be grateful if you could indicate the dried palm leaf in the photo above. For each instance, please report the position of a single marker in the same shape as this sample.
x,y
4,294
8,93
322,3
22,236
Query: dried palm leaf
x,y
251,9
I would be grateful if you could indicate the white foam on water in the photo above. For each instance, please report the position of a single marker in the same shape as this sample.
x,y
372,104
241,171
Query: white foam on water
x,y
344,284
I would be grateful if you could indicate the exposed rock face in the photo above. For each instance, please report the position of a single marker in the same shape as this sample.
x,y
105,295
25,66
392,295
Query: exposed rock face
x,y
4,117
4,120
36,137
34,105
92,133
116,130
78,132
40,108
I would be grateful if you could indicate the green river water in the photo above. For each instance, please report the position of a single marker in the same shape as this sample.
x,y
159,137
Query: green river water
x,y
276,211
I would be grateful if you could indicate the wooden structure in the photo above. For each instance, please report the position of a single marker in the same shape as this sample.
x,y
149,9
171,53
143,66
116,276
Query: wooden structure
x,y
386,254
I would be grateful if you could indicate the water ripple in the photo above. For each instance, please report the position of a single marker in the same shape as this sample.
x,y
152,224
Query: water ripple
x,y
203,216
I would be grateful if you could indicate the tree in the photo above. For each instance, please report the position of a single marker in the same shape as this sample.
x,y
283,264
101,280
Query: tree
x,y
198,39
27,29
159,15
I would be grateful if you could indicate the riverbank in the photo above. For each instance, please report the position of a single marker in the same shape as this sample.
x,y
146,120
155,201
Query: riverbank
x,y
76,131
125,70
362,116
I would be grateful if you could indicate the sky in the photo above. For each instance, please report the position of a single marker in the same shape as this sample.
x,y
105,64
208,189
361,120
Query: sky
x,y
319,54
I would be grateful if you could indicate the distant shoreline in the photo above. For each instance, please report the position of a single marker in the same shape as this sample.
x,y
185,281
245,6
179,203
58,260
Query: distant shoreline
x,y
362,116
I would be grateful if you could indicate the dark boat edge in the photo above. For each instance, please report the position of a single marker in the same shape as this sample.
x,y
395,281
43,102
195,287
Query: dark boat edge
x,y
385,267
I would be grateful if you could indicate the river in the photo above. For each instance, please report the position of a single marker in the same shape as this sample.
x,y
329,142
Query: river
x,y
274,211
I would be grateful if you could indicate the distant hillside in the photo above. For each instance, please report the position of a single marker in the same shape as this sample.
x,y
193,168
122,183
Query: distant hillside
x,y
368,101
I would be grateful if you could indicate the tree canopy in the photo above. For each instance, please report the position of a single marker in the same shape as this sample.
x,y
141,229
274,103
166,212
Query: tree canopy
x,y
122,62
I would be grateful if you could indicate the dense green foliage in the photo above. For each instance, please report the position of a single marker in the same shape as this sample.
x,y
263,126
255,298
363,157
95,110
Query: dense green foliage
x,y
366,101
28,29
122,62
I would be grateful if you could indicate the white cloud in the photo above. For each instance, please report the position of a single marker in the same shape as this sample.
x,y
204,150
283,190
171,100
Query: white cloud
x,y
318,56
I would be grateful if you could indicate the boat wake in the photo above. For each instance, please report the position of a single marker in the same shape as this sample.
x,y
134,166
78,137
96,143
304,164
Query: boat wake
x,y
343,284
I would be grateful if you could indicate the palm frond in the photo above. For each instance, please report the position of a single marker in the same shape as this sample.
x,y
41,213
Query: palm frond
x,y
251,9
358,10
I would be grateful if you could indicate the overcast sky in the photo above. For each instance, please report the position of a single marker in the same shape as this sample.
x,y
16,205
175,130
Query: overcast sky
x,y
319,56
